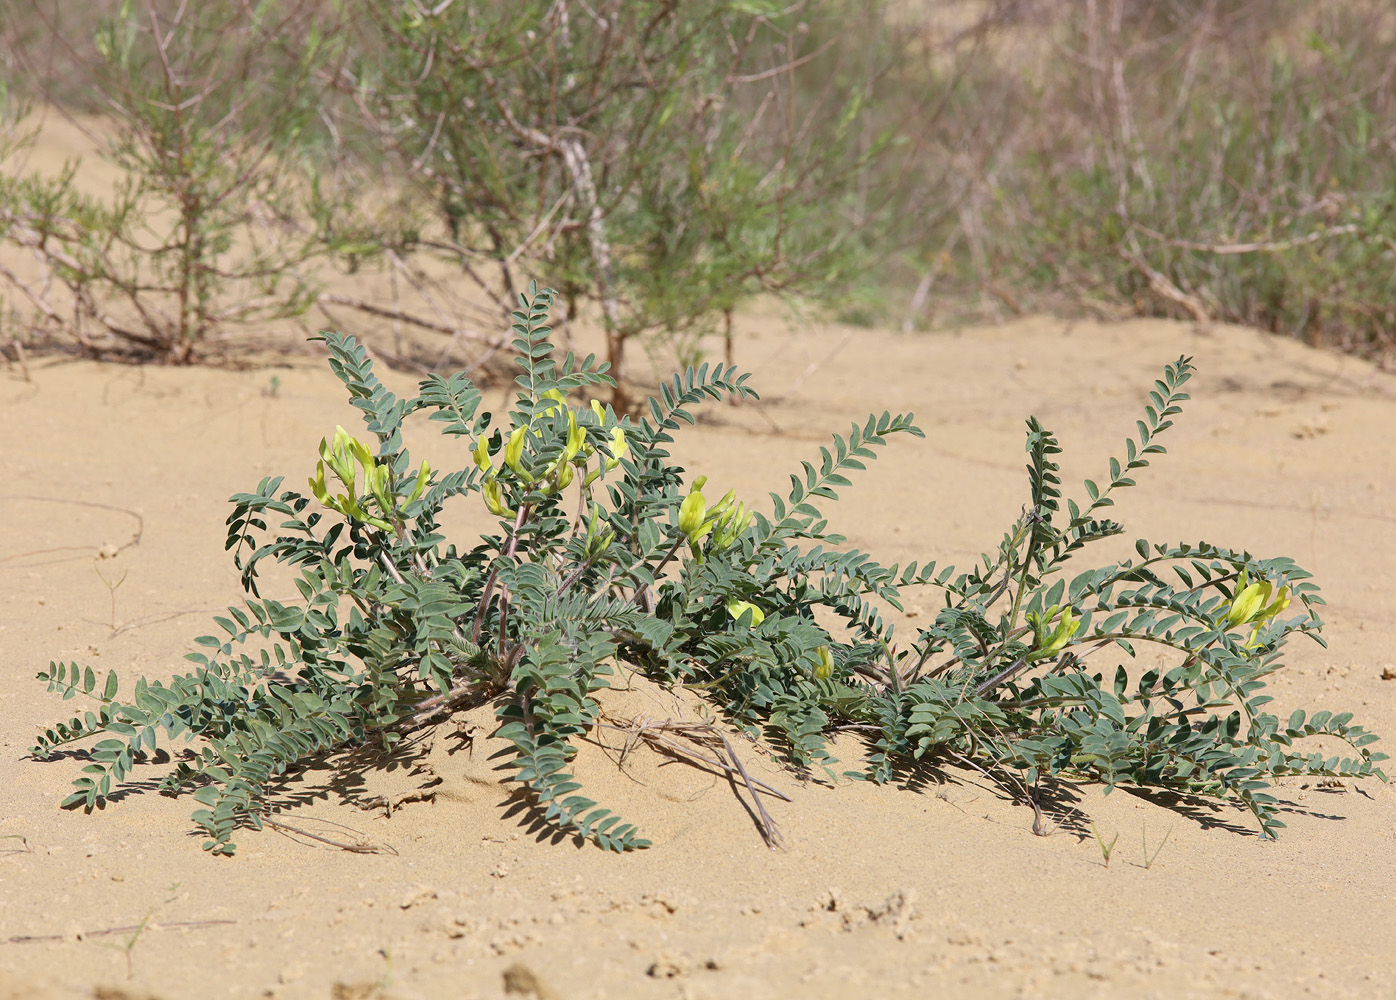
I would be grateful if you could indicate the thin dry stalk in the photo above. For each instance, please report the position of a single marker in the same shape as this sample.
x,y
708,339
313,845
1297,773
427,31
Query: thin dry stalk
x,y
1230,249
125,929
401,315
1163,287
21,358
360,846
681,740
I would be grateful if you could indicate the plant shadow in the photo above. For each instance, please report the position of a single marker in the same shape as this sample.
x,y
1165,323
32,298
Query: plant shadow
x,y
1211,814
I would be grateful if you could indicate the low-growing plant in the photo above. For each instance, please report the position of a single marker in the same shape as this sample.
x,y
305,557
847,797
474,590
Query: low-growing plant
x,y
1151,856
605,554
1105,849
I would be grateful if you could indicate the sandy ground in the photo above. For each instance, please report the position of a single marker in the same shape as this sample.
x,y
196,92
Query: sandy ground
x,y
885,892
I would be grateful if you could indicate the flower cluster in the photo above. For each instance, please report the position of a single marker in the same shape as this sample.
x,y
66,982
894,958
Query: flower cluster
x,y
1048,641
345,456
525,441
724,521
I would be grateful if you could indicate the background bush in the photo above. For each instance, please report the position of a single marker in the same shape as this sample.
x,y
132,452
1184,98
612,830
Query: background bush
x,y
913,164
1202,160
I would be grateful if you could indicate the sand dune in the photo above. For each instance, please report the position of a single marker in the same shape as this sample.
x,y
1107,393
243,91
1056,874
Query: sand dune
x,y
942,890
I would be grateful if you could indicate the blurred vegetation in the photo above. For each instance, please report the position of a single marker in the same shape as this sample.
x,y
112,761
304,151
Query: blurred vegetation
x,y
1199,160
907,163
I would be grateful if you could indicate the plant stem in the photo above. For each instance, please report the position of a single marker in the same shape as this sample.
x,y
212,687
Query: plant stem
x,y
1028,553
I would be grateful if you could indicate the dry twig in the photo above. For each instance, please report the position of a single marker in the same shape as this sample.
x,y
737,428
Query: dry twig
x,y
660,735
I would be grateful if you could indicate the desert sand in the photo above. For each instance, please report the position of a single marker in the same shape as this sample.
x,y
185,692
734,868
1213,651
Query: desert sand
x,y
113,487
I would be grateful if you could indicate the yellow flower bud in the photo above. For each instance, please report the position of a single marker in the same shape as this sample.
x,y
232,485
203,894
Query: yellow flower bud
x,y
825,668
692,512
378,478
494,498
720,508
361,452
730,527
598,537
482,455
1049,645
421,484
317,484
339,456
513,453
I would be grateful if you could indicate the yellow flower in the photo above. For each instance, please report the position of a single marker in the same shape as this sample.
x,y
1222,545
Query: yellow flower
x,y
1248,602
1280,603
482,455
598,536
1276,607
421,485
825,668
339,456
561,479
317,484
619,446
576,436
737,609
343,456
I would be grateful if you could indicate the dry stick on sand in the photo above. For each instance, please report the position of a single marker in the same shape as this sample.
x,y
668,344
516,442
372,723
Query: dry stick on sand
x,y
360,846
456,333
655,733
162,926
135,538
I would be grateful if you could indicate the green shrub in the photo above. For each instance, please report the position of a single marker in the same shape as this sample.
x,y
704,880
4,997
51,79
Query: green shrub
x,y
217,211
604,556
1202,164
665,163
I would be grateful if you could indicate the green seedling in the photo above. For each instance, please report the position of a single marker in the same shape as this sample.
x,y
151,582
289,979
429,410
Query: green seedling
x,y
1151,857
1105,849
